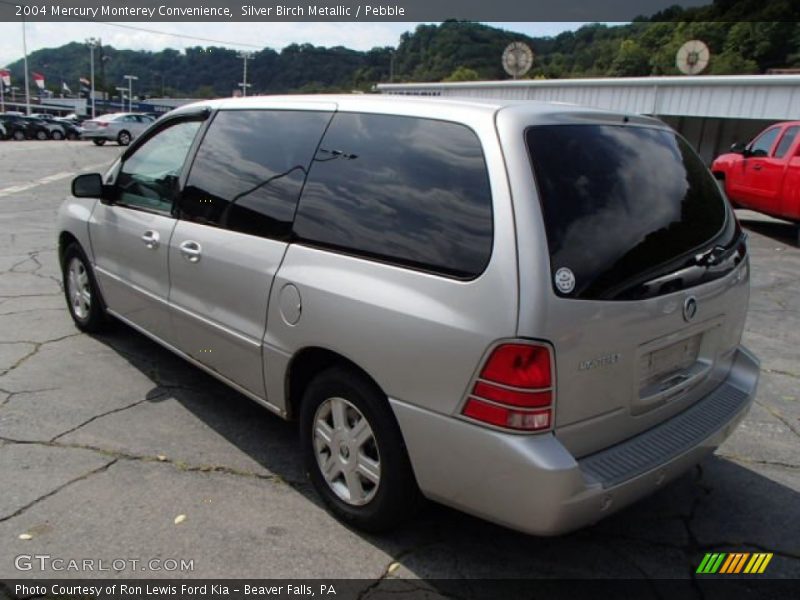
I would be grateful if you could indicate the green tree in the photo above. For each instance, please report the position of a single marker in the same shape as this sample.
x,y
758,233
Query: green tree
x,y
462,73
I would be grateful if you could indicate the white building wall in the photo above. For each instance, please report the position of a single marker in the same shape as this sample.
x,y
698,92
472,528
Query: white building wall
x,y
774,97
712,112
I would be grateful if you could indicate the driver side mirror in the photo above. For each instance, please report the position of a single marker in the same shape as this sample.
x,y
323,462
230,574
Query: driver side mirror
x,y
88,185
739,148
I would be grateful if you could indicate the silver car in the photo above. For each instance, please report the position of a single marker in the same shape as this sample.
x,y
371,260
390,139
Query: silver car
x,y
530,312
116,127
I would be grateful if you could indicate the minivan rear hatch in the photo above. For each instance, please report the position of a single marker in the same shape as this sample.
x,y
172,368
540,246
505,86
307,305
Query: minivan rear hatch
x,y
646,294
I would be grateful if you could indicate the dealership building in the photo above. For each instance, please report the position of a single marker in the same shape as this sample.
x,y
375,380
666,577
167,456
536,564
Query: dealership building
x,y
711,112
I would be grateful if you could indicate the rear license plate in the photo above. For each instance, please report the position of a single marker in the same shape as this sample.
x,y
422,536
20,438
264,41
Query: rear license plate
x,y
660,364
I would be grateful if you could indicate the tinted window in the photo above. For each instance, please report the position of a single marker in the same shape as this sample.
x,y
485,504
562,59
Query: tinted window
x,y
763,143
623,205
250,168
786,141
149,178
406,190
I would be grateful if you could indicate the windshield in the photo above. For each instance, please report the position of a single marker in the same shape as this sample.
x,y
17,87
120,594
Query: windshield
x,y
623,205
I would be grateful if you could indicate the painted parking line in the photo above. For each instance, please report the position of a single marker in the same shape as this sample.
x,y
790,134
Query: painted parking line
x,y
16,189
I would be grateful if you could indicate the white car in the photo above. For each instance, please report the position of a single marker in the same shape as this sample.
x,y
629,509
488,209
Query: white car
x,y
116,127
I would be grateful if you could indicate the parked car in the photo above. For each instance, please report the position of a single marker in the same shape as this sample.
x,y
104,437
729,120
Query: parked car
x,y
492,304
118,127
764,175
60,129
55,130
24,128
3,133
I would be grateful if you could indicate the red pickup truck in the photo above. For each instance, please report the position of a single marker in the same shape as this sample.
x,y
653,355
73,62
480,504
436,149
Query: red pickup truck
x,y
764,175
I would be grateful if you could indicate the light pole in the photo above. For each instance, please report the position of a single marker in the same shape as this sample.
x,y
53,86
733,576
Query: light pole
x,y
122,91
92,43
130,79
244,85
25,52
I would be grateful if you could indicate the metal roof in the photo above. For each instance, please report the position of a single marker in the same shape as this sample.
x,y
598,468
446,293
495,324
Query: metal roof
x,y
773,97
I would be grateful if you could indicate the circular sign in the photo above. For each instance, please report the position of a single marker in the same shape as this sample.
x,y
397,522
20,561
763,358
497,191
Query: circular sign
x,y
565,280
517,59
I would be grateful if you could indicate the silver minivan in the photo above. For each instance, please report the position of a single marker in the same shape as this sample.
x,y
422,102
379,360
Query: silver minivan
x,y
530,312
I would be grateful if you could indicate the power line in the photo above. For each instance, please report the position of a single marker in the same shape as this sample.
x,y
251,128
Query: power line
x,y
177,35
156,31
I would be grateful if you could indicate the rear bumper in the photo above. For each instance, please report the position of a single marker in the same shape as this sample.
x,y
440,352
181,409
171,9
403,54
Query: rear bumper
x,y
96,134
533,484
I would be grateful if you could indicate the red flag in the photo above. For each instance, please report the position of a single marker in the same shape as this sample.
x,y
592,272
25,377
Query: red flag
x,y
39,79
5,77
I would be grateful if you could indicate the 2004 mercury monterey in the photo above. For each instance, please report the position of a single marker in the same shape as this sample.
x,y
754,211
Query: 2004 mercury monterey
x,y
531,312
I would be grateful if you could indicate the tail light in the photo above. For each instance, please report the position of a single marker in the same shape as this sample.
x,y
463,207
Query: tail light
x,y
102,124
515,388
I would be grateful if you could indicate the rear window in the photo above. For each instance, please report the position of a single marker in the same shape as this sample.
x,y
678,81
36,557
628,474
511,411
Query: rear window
x,y
622,204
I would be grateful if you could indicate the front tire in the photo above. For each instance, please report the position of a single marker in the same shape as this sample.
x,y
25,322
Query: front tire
x,y
57,135
354,452
18,135
80,289
41,135
124,138
99,142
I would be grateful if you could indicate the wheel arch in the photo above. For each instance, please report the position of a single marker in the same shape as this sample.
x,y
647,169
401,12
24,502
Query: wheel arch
x,y
65,238
305,365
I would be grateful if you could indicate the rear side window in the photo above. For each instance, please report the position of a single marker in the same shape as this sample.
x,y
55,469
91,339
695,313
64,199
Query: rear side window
x,y
404,190
786,141
622,205
250,168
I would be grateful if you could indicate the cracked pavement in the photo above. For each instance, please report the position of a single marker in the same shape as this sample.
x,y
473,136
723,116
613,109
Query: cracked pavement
x,y
104,440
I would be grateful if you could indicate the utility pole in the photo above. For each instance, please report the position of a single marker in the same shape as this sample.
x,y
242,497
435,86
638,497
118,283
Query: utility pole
x,y
92,42
122,91
244,85
103,60
130,79
25,52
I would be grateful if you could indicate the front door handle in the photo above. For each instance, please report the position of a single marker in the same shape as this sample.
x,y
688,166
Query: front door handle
x,y
756,167
191,251
151,239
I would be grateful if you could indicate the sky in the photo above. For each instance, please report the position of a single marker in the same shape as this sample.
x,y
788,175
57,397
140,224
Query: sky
x,y
245,36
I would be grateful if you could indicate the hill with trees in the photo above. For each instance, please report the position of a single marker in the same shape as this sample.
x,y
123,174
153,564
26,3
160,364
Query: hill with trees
x,y
745,36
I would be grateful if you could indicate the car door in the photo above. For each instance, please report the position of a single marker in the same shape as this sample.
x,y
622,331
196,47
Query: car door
x,y
744,182
131,228
766,179
235,221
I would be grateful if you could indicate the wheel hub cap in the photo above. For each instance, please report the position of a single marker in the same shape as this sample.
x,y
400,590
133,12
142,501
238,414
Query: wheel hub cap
x,y
346,451
78,289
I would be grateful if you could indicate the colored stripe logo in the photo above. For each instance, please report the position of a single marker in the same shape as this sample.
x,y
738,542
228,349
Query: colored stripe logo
x,y
734,563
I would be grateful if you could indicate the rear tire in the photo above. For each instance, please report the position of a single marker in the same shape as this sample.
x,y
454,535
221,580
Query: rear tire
x,y
57,135
99,142
86,306
41,135
18,135
347,427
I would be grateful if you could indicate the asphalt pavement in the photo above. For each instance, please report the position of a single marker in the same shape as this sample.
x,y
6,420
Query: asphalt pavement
x,y
111,448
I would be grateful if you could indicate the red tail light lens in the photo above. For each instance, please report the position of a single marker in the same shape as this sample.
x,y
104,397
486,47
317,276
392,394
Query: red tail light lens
x,y
514,389
512,397
519,365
